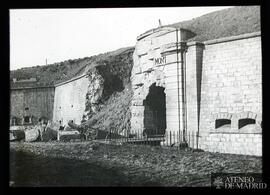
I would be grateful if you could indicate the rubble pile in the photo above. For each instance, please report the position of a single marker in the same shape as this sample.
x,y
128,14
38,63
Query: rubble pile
x,y
86,132
52,131
33,134
16,133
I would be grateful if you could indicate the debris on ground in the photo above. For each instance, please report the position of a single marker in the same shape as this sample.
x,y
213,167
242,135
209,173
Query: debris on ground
x,y
87,132
33,134
16,133
67,128
69,135
11,136
51,131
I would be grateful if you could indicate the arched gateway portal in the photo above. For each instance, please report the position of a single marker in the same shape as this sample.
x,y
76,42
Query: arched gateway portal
x,y
155,111
159,68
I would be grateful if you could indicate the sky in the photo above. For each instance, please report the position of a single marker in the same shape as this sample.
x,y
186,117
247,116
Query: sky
x,y
61,34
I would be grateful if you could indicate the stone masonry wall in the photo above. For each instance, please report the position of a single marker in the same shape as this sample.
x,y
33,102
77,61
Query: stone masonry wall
x,y
234,143
232,89
70,100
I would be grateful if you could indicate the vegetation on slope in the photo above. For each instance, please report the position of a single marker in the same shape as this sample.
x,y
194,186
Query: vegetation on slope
x,y
58,72
224,23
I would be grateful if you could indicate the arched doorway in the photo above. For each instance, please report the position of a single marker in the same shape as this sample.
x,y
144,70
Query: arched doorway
x,y
155,111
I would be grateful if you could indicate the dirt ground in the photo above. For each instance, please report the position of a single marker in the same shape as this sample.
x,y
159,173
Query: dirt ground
x,y
96,164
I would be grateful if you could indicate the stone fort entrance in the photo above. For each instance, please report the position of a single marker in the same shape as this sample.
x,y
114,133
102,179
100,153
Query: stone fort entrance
x,y
158,82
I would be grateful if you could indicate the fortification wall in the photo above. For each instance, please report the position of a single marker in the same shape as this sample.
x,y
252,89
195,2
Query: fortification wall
x,y
212,88
69,100
39,102
231,90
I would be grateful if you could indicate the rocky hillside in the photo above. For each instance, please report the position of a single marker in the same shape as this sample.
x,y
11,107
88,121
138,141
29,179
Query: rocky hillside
x,y
109,93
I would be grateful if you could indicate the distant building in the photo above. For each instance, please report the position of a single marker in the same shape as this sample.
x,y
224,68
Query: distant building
x,y
61,102
30,102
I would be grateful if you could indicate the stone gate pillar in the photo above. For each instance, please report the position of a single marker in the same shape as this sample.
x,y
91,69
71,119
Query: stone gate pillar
x,y
193,61
174,85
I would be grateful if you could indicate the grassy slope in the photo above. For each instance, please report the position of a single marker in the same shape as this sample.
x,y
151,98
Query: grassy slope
x,y
224,23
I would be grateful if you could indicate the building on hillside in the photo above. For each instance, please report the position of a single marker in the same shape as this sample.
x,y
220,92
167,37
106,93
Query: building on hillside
x,y
212,89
